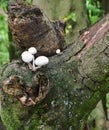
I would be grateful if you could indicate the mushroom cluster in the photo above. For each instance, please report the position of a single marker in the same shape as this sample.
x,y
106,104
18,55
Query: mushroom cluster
x,y
28,57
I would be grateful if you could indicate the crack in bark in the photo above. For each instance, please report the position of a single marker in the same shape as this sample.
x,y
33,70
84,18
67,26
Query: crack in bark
x,y
78,52
68,59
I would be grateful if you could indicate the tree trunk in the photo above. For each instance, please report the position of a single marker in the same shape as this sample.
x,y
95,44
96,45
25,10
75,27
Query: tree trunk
x,y
105,5
61,94
60,9
55,10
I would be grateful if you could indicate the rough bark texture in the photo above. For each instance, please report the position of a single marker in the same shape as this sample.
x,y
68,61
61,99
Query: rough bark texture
x,y
77,80
30,27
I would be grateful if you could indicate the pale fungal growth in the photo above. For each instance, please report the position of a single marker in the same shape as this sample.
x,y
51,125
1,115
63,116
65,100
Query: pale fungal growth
x,y
27,58
58,52
32,50
41,61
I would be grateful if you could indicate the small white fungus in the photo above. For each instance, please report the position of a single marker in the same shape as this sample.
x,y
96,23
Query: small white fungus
x,y
27,57
32,50
58,51
41,60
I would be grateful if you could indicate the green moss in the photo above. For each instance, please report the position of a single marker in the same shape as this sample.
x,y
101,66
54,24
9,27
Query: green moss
x,y
18,117
13,114
34,122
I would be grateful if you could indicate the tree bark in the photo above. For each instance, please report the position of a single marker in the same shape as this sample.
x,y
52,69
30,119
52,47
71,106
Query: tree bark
x,y
105,5
63,92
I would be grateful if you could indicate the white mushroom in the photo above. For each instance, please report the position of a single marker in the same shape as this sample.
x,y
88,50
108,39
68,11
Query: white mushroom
x,y
27,58
41,61
58,52
32,50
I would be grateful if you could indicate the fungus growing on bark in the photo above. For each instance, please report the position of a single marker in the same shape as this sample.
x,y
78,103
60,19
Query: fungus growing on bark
x,y
28,58
58,52
32,50
41,61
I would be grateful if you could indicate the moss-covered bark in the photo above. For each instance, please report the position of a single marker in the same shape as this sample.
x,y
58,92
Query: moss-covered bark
x,y
77,80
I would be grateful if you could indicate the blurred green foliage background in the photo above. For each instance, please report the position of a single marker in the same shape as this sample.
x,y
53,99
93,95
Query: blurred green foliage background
x,y
4,55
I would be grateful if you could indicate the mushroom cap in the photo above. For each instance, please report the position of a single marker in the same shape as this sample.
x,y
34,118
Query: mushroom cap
x,y
58,51
27,57
32,50
41,60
